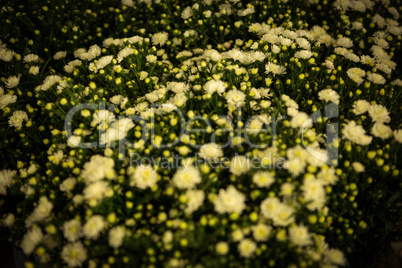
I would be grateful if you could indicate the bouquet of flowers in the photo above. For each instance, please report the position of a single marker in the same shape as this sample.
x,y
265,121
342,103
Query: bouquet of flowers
x,y
200,133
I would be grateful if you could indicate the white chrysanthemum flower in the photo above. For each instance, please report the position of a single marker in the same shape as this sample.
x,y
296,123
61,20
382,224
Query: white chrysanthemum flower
x,y
303,43
160,38
247,248
31,239
263,179
303,54
7,99
49,82
98,168
360,107
300,235
178,87
376,78
68,185
329,64
274,69
73,141
144,177
102,62
12,81
59,55
31,58
72,230
230,200
344,42
212,54
93,227
211,151
335,257
125,52
213,86
97,190
398,135
237,235
381,131
74,254
328,95
314,193
327,176
34,70
379,113
69,68
235,98
287,189
239,165
295,166
41,212
356,133
270,38
301,120
187,13
235,54
151,58
187,177
116,236
356,75
195,198
261,232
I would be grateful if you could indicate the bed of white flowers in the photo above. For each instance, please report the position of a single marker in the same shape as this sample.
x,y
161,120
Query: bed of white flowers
x,y
200,133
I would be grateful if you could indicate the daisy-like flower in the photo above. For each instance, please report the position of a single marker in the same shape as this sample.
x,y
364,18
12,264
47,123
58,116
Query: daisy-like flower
x,y
230,200
116,236
263,179
6,180
31,239
376,78
356,133
59,55
187,177
299,235
356,75
360,107
261,232
74,254
381,131
144,177
303,54
274,69
211,151
17,119
160,38
151,58
72,230
235,98
213,86
34,70
93,227
379,113
328,95
195,198
7,99
31,58
247,248
12,81
240,165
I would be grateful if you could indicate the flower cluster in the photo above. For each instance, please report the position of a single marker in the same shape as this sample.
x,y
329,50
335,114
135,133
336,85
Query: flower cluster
x,y
200,133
